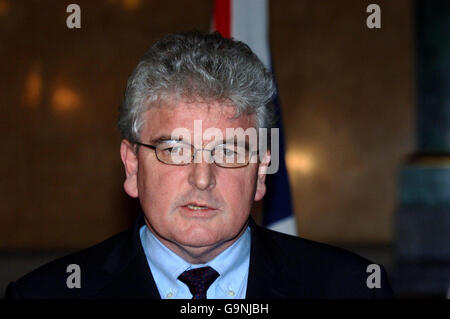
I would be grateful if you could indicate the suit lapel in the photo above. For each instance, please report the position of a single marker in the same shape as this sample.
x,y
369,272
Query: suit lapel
x,y
265,267
131,275
269,272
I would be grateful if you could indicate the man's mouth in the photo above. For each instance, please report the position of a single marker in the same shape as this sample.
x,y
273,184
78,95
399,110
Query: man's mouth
x,y
198,207
195,207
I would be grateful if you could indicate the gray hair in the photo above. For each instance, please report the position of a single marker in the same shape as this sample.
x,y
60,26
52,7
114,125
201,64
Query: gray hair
x,y
199,67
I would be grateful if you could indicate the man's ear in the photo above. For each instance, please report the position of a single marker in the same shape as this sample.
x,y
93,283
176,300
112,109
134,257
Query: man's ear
x,y
261,179
130,162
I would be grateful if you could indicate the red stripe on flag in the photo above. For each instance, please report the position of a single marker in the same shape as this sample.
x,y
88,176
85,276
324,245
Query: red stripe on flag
x,y
222,17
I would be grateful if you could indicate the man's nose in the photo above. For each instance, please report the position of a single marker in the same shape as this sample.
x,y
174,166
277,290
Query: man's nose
x,y
202,175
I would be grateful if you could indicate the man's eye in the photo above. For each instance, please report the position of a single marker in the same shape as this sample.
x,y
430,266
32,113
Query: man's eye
x,y
174,149
228,152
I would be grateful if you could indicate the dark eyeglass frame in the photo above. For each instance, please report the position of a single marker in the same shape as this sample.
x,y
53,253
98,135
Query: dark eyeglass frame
x,y
153,147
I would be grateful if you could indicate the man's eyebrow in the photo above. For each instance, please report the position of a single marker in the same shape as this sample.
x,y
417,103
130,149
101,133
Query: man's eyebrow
x,y
163,138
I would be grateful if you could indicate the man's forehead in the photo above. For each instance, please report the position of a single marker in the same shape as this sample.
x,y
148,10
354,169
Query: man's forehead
x,y
166,118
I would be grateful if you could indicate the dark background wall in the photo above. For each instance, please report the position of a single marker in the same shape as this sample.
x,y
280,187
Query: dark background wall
x,y
347,96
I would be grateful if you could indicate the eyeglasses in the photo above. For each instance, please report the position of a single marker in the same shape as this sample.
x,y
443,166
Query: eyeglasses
x,y
180,153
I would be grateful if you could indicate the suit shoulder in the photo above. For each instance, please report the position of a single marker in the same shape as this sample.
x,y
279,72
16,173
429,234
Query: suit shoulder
x,y
329,271
50,279
320,259
297,247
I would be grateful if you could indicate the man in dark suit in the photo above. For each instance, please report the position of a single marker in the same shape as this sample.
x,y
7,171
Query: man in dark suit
x,y
194,158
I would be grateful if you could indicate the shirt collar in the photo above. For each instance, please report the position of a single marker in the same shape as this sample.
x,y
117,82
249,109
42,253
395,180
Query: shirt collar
x,y
163,262
233,262
230,264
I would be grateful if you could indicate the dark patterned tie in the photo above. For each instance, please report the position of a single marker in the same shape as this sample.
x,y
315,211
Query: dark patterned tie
x,y
198,280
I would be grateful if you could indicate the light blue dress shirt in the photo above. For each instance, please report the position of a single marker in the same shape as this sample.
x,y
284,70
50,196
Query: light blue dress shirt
x,y
232,265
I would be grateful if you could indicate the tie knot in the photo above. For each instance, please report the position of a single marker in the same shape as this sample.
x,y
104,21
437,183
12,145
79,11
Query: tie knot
x,y
198,280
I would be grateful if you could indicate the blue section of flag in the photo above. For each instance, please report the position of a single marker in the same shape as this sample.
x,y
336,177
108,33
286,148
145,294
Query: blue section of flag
x,y
277,201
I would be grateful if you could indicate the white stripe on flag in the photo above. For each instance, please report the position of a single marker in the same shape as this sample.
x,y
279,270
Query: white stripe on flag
x,y
286,225
249,24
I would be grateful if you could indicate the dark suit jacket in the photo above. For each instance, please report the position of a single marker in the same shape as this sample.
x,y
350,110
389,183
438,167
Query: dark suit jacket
x,y
281,266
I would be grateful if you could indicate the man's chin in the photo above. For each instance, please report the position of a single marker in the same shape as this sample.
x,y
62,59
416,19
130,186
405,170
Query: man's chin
x,y
199,241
